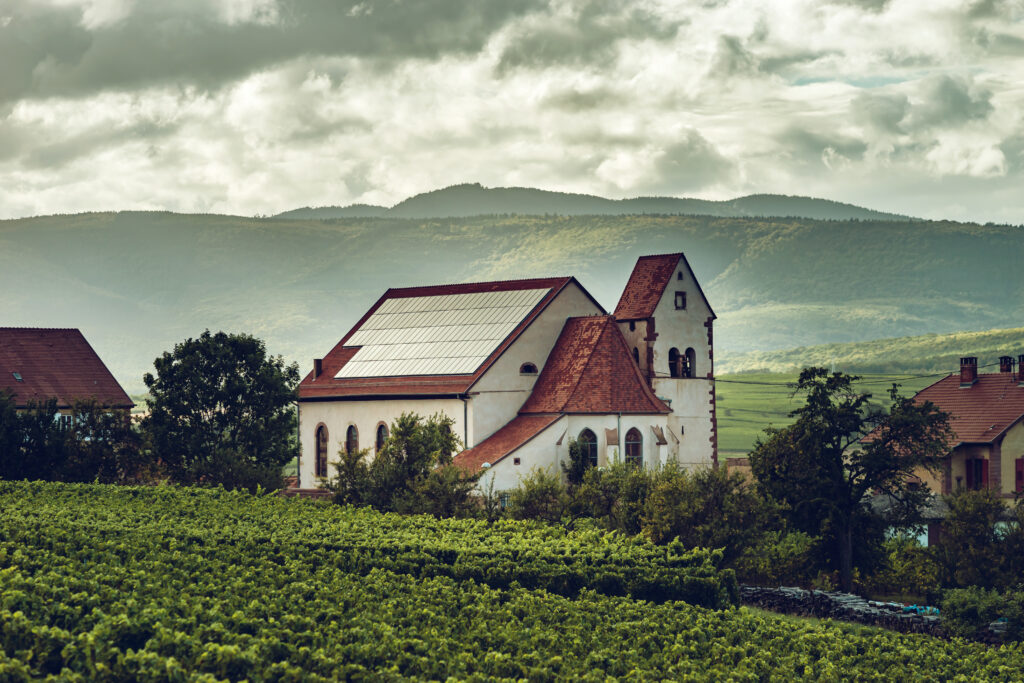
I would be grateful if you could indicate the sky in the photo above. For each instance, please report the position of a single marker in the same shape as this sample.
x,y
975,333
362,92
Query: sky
x,y
259,106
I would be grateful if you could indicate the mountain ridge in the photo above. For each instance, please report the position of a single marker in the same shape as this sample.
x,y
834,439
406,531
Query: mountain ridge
x,y
473,199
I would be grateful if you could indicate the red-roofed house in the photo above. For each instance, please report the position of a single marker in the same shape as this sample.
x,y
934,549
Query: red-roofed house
x,y
987,417
522,367
39,364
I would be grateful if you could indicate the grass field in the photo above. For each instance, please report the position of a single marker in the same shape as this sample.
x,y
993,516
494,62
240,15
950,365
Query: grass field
x,y
747,403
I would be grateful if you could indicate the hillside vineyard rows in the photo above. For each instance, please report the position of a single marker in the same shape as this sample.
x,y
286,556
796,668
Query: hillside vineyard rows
x,y
122,584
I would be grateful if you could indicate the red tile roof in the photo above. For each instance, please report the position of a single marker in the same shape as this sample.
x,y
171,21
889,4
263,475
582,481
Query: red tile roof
x,y
982,412
591,370
504,441
326,386
646,285
55,363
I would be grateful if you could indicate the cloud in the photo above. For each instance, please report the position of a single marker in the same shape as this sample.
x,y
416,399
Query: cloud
x,y
258,106
59,51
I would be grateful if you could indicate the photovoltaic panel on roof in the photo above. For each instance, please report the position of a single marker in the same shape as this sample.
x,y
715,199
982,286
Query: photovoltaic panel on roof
x,y
449,334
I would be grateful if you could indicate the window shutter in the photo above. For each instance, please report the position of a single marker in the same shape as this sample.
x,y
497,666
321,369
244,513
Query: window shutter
x,y
969,467
984,473
1019,462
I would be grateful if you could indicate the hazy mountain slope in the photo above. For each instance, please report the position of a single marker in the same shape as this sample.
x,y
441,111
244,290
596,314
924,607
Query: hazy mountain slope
x,y
476,200
136,283
350,211
931,353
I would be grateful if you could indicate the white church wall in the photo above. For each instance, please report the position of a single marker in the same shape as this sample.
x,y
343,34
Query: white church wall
x,y
499,394
607,452
543,451
365,415
690,421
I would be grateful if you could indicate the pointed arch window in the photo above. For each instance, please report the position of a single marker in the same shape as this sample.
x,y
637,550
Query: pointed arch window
x,y
320,464
634,448
382,436
588,442
352,439
689,363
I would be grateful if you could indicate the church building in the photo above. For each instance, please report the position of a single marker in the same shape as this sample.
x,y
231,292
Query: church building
x,y
522,367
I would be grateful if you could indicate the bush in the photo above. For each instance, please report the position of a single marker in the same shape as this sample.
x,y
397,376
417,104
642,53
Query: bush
x,y
778,558
615,496
976,538
908,569
539,496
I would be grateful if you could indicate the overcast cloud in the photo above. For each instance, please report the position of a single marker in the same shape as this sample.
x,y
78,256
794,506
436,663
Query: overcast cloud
x,y
259,106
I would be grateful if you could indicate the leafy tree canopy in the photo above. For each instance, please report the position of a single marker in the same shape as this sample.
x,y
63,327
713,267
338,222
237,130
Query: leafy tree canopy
x,y
221,411
825,470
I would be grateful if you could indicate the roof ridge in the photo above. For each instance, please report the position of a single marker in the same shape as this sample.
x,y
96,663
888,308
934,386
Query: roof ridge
x,y
481,283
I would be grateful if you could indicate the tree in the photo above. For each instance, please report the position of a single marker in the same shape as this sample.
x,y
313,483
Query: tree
x,y
412,472
839,451
221,411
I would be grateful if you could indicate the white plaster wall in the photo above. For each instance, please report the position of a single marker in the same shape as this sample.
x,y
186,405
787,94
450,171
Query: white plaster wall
x,y
636,339
607,451
682,329
1012,448
499,394
690,420
365,415
543,451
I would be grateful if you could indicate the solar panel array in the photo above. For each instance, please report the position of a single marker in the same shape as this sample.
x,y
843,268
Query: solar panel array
x,y
449,334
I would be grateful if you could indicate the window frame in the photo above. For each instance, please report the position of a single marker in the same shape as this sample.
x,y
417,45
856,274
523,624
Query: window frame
x,y
320,451
589,446
352,444
634,445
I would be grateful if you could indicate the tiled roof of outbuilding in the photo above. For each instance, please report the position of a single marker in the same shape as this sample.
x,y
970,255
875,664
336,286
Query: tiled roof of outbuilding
x,y
327,386
646,285
982,412
590,370
502,442
55,363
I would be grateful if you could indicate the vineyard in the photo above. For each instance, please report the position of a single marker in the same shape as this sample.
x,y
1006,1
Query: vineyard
x,y
125,584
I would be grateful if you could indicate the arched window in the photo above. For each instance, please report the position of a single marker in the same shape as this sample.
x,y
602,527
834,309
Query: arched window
x,y
528,369
382,436
320,464
588,442
674,369
690,363
636,355
634,448
352,439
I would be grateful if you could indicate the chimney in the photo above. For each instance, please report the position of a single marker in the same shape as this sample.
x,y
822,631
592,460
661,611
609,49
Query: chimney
x,y
1020,370
968,371
1005,363
318,367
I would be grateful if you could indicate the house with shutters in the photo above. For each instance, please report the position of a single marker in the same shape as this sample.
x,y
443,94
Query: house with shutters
x,y
987,416
522,367
39,364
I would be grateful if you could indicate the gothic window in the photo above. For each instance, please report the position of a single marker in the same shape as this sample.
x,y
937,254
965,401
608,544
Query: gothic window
x,y
382,436
320,465
352,439
588,442
634,448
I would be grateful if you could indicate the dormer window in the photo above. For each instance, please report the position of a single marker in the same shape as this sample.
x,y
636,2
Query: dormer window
x,y
528,369
680,301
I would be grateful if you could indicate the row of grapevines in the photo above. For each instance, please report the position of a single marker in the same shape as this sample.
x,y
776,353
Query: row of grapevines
x,y
529,554
91,600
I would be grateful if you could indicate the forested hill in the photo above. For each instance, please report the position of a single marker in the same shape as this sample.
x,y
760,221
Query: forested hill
x,y
929,353
476,200
138,282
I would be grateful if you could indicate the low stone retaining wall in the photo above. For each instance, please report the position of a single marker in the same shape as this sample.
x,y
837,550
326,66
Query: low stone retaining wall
x,y
839,606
